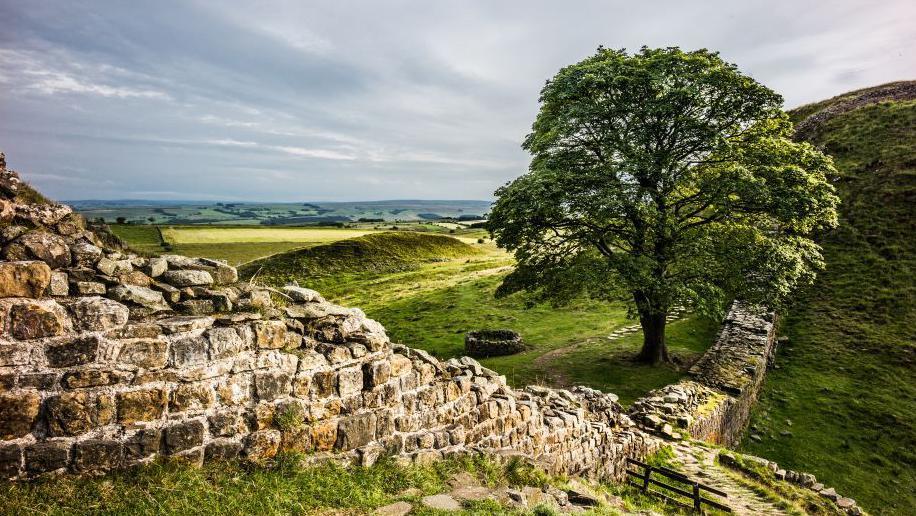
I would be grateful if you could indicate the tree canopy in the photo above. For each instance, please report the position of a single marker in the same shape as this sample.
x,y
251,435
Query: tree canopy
x,y
665,178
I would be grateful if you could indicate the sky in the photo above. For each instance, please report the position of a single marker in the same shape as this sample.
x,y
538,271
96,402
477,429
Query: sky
x,y
379,99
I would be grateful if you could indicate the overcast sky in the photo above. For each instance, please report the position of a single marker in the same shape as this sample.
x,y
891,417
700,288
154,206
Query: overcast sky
x,y
342,100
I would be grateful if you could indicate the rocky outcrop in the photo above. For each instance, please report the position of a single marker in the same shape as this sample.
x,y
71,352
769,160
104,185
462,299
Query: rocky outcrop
x,y
109,359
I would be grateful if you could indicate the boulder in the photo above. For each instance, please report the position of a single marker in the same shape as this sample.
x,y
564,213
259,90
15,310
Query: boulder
x,y
24,279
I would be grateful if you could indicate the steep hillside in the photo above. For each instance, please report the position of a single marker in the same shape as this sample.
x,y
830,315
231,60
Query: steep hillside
x,y
843,402
374,253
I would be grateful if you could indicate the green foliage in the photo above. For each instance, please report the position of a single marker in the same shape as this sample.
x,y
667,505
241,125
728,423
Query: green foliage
x,y
665,178
845,388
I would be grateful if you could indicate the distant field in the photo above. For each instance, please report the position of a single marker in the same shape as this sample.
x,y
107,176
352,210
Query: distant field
x,y
232,244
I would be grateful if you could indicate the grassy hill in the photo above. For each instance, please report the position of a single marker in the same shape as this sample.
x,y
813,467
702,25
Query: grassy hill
x,y
369,254
843,402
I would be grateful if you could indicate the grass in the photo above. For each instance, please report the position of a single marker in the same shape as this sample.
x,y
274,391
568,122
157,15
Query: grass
x,y
218,235
285,486
845,389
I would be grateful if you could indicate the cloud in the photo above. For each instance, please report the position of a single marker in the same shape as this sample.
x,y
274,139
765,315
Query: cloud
x,y
316,100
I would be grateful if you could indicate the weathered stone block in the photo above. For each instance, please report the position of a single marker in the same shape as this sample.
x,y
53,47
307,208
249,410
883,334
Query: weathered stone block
x,y
227,424
222,449
89,288
60,285
97,455
73,352
47,456
24,279
39,381
225,343
141,405
185,323
262,445
234,390
324,435
156,267
75,413
399,365
143,444
302,385
355,431
188,351
270,385
193,396
93,378
18,411
270,334
38,319
184,436
85,254
376,373
145,353
135,278
10,460
197,307
142,296
14,354
47,247
110,267
349,381
324,383
169,293
99,314
187,278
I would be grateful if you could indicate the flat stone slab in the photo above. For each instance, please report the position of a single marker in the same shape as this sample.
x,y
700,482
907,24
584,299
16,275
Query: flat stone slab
x,y
394,509
442,502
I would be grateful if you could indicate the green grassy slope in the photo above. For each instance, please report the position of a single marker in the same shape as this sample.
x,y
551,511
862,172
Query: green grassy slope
x,y
374,253
843,402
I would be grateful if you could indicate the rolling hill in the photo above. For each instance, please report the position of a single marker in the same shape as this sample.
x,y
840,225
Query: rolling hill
x,y
390,251
842,403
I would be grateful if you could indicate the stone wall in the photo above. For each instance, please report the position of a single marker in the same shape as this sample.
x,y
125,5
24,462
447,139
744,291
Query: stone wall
x,y
109,359
713,403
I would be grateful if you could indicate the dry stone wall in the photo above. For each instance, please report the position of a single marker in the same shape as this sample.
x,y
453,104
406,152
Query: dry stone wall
x,y
109,359
713,403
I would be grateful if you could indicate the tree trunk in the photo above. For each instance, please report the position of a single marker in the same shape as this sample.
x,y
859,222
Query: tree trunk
x,y
653,350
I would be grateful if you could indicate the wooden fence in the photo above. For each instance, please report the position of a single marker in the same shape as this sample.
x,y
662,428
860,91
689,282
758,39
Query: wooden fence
x,y
644,480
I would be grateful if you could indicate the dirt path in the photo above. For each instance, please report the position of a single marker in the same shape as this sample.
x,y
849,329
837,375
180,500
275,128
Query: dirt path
x,y
699,463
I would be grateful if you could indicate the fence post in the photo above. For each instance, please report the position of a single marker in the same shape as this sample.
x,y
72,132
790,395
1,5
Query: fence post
x,y
696,497
645,479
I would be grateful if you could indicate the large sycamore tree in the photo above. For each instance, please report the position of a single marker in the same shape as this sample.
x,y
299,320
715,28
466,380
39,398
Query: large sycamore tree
x,y
665,178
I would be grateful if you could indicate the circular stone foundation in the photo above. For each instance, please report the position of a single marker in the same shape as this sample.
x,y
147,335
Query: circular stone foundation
x,y
493,343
